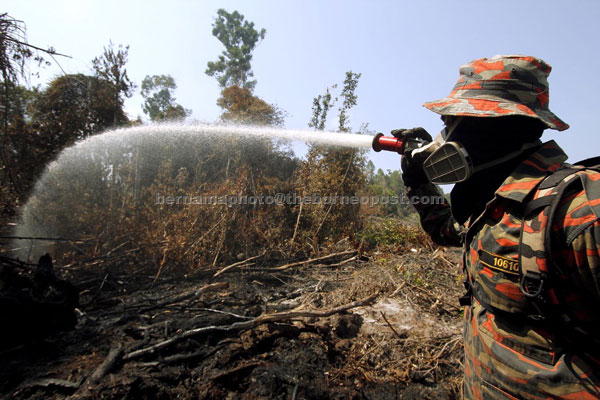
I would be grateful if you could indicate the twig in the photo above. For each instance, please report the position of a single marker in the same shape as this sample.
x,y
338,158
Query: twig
x,y
11,350
391,327
53,382
47,51
388,274
307,262
237,264
444,259
183,357
113,358
455,341
174,359
185,296
17,263
214,263
243,366
279,279
286,266
205,233
46,238
317,286
296,228
219,312
102,284
399,288
431,294
116,248
243,325
99,259
340,263
160,266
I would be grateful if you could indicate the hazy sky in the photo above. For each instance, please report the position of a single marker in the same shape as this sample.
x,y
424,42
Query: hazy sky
x,y
408,52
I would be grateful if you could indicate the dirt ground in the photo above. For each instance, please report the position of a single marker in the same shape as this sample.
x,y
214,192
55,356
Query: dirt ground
x,y
198,336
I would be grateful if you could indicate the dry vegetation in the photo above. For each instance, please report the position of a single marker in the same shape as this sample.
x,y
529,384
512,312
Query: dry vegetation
x,y
252,301
257,331
107,194
256,301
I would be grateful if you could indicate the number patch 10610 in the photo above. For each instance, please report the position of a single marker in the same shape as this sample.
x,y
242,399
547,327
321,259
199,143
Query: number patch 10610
x,y
499,263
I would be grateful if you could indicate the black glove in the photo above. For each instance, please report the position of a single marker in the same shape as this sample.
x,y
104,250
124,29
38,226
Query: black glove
x,y
412,167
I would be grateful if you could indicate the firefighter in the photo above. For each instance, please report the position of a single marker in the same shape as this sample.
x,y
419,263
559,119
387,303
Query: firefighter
x,y
529,225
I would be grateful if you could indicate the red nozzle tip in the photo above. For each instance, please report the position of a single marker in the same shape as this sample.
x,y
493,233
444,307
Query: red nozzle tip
x,y
375,144
387,143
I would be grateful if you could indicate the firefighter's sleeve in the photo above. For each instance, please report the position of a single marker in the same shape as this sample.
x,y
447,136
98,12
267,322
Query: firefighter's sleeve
x,y
435,214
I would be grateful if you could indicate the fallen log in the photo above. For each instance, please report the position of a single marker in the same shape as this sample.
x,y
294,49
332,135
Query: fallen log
x,y
243,325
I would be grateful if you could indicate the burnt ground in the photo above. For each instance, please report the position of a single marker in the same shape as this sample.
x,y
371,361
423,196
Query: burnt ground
x,y
406,343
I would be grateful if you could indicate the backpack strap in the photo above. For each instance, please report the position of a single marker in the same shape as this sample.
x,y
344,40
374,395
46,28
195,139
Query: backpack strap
x,y
591,163
538,217
534,243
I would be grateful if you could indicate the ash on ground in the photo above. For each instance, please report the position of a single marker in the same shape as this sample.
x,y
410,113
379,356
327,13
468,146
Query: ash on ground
x,y
137,337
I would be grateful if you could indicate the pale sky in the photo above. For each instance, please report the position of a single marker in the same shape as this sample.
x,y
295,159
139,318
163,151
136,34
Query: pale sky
x,y
408,52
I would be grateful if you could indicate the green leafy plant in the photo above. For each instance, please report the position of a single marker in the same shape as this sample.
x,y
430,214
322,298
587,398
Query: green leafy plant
x,y
392,234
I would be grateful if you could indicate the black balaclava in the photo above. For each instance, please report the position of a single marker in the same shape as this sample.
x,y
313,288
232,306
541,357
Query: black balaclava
x,y
487,139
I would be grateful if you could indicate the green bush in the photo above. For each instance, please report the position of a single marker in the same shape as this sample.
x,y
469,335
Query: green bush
x,y
392,234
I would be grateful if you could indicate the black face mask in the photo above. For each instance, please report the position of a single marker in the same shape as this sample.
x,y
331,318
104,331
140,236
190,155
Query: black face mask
x,y
452,162
489,138
496,146
470,145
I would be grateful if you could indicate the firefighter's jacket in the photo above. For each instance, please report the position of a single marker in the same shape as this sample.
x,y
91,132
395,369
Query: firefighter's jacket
x,y
517,347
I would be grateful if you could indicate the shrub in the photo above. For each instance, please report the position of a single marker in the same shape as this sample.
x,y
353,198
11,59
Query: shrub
x,y
391,234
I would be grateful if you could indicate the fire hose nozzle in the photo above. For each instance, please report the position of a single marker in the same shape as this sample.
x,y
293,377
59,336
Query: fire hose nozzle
x,y
388,143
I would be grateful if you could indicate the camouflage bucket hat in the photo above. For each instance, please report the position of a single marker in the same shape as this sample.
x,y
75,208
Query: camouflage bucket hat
x,y
499,86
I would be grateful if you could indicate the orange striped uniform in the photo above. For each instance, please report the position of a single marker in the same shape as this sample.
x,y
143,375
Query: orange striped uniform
x,y
516,347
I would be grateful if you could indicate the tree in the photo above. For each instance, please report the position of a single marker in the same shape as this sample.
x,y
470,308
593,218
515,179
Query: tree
x,y
74,107
320,109
159,103
239,38
350,98
386,185
233,71
111,67
241,107
333,172
19,164
15,52
323,103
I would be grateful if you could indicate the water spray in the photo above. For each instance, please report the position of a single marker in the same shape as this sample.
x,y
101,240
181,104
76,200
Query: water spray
x,y
139,151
